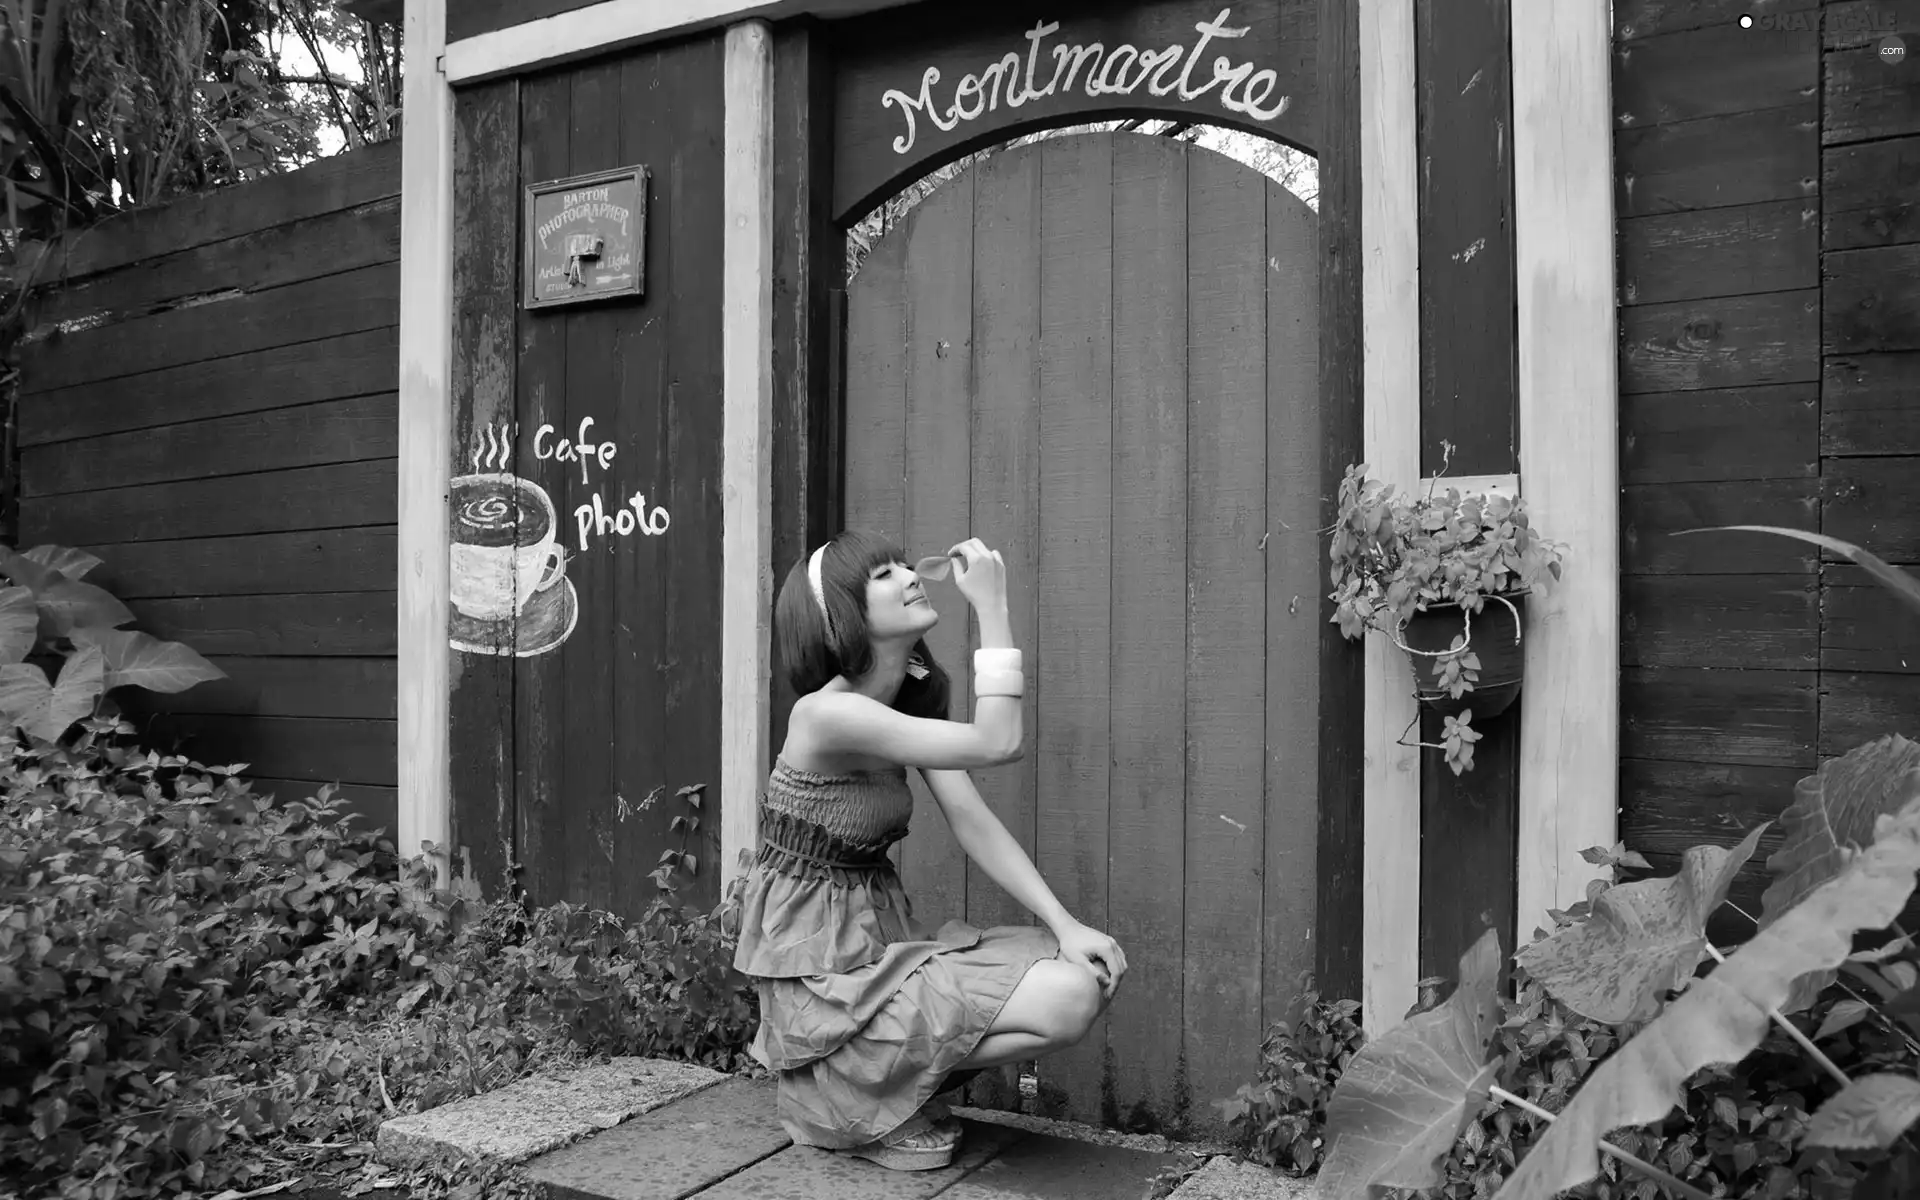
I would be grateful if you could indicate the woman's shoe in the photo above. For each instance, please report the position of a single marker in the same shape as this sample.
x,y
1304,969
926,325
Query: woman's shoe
x,y
921,1143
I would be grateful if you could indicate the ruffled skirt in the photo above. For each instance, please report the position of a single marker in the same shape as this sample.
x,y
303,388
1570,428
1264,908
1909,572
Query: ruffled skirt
x,y
858,1053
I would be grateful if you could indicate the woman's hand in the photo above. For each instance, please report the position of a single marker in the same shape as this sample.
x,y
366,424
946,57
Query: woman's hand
x,y
980,575
1096,952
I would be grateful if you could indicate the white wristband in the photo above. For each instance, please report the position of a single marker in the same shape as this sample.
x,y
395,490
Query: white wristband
x,y
998,659
999,683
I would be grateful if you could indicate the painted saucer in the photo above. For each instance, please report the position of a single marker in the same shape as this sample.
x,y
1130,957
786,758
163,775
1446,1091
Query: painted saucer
x,y
542,625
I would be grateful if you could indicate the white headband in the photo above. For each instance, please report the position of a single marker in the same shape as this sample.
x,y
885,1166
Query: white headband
x,y
819,592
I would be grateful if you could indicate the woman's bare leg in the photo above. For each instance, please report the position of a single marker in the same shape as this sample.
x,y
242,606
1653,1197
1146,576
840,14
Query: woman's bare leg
x,y
1051,1008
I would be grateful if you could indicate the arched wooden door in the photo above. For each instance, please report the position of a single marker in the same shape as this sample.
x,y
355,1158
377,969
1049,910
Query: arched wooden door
x,y
1099,354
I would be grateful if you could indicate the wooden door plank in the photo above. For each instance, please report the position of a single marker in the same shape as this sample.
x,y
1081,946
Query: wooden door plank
x,y
1693,714
331,497
288,687
876,396
1866,194
1635,19
1856,709
318,748
1713,71
540,386
372,807
691,142
1004,447
937,492
486,214
1291,558
1865,100
1872,299
1874,502
1741,158
1652,514
332,431
1720,343
1147,674
1736,621
1072,747
1721,434
1227,503
327,623
319,560
328,368
1770,247
1864,626
1867,404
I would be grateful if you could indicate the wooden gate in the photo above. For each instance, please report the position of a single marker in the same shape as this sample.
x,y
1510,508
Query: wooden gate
x,y
1099,354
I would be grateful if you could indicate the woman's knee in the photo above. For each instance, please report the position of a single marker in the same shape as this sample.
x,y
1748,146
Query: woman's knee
x,y
1075,1001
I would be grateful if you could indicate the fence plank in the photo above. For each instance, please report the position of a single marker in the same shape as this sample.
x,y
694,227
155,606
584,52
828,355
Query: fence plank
x,y
1865,627
352,301
1718,343
275,257
1146,674
1859,708
1872,300
331,497
1688,714
356,364
375,807
1768,247
1073,559
1004,449
1867,404
1671,806
1866,194
1721,434
1713,71
1226,736
361,176
330,560
1750,621
287,687
321,624
1634,19
1864,100
318,748
1651,514
1741,158
1873,502
333,431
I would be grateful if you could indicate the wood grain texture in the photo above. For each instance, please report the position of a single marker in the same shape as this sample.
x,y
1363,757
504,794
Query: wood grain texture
x,y
341,181
1871,300
327,750
1227,482
330,560
286,687
1005,451
314,435
1864,626
1858,708
1717,162
363,236
1735,621
1668,807
355,364
1648,18
341,496
1865,99
1073,568
1719,343
350,302
938,490
486,210
1713,71
1721,435
1770,247
1867,194
1651,515
1689,714
313,624
1874,502
1146,673
1469,832
1340,849
1870,404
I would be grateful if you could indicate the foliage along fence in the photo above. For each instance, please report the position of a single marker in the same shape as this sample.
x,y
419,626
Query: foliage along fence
x,y
208,403
1770,354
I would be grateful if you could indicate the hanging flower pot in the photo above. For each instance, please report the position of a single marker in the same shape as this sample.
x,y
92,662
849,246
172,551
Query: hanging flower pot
x,y
1450,646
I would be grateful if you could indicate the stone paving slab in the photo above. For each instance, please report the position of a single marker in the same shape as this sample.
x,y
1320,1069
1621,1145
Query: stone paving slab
x,y
1225,1179
540,1113
672,1152
802,1171
1040,1167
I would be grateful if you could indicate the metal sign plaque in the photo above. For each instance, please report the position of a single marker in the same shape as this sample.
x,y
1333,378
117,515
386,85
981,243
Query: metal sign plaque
x,y
586,238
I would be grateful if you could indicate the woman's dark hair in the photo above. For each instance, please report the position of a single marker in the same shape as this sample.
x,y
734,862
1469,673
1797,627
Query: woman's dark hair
x,y
812,656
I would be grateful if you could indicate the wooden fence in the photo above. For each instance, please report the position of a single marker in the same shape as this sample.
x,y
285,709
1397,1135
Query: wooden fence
x,y
214,415
1770,321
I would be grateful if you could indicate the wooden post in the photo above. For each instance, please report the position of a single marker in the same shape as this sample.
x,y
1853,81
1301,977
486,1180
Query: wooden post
x,y
1390,233
746,611
1569,396
426,420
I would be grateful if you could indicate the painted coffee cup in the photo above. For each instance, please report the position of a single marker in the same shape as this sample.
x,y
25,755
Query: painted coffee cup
x,y
503,545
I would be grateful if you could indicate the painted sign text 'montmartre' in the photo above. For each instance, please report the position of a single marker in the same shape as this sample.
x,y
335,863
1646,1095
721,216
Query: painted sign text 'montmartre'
x,y
1016,79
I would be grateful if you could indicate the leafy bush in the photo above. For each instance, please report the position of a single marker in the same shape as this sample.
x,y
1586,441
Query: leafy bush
x,y
1280,1119
196,982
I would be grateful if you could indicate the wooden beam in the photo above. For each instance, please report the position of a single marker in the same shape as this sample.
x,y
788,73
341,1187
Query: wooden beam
x,y
1569,397
1390,232
746,609
613,24
426,418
